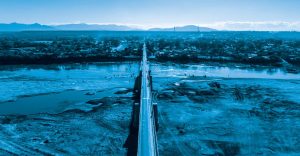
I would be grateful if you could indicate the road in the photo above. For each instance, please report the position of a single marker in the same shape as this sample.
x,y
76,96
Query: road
x,y
147,131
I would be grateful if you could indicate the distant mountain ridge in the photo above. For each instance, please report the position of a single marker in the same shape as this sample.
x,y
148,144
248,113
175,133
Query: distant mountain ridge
x,y
83,26
90,27
24,27
184,28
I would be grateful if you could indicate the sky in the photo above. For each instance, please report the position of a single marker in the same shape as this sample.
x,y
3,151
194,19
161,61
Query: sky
x,y
219,14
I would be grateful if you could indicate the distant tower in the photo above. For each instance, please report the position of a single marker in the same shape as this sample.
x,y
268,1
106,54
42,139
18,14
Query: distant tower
x,y
174,28
198,28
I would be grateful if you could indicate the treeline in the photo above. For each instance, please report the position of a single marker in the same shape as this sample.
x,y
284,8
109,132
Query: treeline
x,y
190,47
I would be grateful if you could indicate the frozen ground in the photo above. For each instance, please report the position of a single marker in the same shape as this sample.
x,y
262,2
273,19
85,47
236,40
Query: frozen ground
x,y
201,115
29,80
66,110
100,131
203,110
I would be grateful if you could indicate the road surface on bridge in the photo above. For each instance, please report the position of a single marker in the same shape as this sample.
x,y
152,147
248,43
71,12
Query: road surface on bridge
x,y
147,131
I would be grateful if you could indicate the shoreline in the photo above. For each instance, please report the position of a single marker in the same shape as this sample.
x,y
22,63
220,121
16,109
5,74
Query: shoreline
x,y
99,59
212,111
83,100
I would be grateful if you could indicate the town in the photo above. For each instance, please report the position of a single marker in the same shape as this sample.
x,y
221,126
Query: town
x,y
250,48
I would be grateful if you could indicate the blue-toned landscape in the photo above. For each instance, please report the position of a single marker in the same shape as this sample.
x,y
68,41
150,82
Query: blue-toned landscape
x,y
149,78
203,108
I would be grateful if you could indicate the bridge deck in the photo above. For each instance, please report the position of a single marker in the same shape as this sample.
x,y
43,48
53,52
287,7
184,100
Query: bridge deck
x,y
147,131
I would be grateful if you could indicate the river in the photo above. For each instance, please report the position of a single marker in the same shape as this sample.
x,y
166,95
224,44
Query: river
x,y
203,108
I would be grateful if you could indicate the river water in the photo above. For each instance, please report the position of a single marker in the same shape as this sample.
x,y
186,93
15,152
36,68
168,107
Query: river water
x,y
26,81
35,79
189,108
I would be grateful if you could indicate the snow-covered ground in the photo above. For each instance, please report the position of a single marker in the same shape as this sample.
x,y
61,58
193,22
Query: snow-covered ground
x,y
28,80
203,109
55,113
239,115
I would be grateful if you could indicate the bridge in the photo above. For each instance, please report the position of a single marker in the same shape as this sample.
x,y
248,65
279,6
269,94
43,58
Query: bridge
x,y
144,117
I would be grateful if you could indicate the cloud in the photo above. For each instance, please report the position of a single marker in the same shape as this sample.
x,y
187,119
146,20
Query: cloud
x,y
256,26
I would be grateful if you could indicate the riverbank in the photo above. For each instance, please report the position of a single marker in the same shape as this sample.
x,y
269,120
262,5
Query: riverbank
x,y
90,60
204,109
100,130
47,60
66,109
221,116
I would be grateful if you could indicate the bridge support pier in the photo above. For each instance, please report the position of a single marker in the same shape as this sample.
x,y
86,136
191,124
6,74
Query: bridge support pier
x,y
136,104
155,109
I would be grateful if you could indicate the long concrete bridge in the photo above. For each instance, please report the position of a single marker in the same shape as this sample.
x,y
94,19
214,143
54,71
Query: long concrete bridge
x,y
144,117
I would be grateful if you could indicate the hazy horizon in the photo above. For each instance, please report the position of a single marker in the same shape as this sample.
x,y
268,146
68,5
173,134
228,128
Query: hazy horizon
x,y
270,15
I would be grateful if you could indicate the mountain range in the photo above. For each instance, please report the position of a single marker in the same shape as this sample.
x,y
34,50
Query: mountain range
x,y
183,28
90,27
